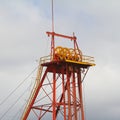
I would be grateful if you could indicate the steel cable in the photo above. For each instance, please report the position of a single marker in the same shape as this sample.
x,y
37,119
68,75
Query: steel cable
x,y
13,104
6,98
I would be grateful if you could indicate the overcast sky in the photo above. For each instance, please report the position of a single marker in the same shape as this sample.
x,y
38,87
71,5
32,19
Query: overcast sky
x,y
23,40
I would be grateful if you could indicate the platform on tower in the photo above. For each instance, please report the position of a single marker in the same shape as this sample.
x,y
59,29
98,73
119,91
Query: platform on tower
x,y
85,62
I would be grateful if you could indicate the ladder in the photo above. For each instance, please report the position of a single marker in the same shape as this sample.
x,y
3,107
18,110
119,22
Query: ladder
x,y
32,94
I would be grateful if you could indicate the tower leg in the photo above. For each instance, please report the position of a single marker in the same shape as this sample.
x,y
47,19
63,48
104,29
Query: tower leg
x,y
68,93
54,95
63,92
74,96
33,97
80,94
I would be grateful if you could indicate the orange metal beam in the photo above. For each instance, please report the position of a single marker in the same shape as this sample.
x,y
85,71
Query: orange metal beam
x,y
74,94
26,113
80,94
54,95
68,93
60,35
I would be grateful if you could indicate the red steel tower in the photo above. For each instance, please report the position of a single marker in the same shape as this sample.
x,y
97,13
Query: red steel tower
x,y
57,92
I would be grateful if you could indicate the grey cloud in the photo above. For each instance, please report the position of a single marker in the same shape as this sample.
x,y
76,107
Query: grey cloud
x,y
96,25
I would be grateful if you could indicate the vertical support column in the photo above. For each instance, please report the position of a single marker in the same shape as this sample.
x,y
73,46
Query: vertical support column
x,y
80,93
68,93
54,95
63,92
74,95
52,47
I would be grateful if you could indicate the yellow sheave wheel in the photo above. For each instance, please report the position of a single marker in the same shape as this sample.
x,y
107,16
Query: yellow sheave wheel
x,y
78,55
72,54
68,54
59,52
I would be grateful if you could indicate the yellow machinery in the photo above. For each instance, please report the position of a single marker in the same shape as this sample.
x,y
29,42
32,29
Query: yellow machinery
x,y
63,53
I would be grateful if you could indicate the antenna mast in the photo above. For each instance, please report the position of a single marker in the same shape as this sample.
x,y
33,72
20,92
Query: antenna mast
x,y
52,36
52,17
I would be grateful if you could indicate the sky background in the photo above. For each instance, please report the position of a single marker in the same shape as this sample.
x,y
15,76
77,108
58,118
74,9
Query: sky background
x,y
23,40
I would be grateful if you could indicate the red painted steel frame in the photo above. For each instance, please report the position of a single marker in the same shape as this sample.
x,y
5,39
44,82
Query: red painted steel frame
x,y
25,115
66,80
69,104
53,34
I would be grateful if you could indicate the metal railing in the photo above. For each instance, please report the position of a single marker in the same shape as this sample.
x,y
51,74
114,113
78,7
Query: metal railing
x,y
85,59
88,59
